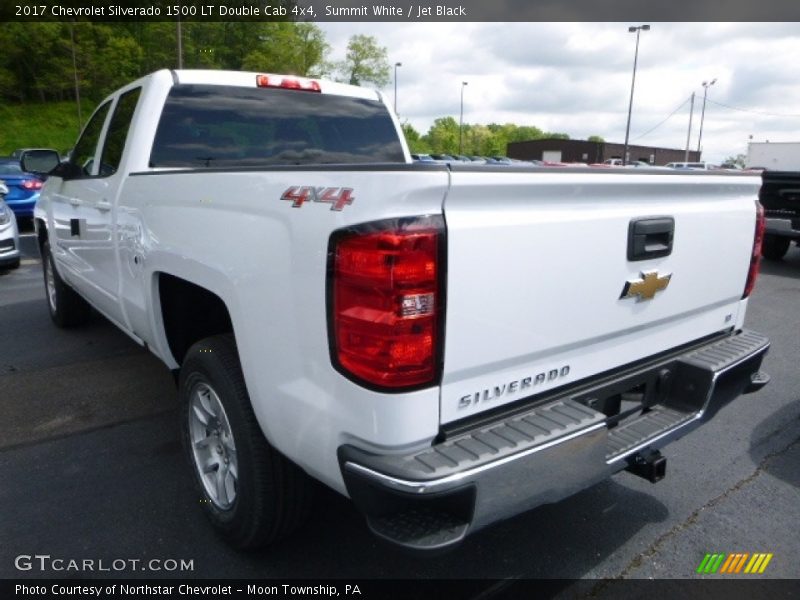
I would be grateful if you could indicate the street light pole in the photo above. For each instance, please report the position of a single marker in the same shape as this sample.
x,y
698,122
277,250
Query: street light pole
x,y
706,85
397,64
638,30
689,135
461,120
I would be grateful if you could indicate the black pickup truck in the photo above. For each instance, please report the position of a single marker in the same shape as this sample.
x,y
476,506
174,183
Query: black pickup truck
x,y
780,196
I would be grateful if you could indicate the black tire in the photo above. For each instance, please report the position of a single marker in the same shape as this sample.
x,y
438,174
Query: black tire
x,y
271,495
774,247
12,265
66,307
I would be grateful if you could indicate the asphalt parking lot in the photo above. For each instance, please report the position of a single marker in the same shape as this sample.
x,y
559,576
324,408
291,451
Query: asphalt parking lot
x,y
92,469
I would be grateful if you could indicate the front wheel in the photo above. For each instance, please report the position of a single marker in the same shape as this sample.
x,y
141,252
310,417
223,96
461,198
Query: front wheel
x,y
774,247
251,493
67,308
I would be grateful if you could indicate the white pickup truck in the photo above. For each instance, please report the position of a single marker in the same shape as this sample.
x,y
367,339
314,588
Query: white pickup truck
x,y
447,345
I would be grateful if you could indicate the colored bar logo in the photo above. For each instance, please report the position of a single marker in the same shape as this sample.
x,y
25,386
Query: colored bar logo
x,y
734,564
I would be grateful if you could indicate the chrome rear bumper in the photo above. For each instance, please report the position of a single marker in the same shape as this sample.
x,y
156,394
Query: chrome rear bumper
x,y
432,499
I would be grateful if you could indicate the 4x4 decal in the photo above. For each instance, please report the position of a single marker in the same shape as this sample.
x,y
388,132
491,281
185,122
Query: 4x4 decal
x,y
337,197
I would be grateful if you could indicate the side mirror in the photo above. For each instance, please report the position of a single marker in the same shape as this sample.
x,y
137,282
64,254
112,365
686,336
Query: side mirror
x,y
39,162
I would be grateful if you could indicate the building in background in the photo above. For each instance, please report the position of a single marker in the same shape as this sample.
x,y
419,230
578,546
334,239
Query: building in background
x,y
583,151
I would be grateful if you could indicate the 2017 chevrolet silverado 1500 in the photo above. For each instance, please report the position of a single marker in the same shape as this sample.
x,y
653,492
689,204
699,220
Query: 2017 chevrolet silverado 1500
x,y
447,345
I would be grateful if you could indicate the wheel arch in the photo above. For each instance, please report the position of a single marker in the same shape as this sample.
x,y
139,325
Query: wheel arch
x,y
187,312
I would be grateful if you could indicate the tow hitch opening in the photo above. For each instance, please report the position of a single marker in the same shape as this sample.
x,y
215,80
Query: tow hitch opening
x,y
651,466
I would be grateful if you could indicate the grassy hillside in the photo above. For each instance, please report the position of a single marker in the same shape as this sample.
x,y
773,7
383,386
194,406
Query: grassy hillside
x,y
52,125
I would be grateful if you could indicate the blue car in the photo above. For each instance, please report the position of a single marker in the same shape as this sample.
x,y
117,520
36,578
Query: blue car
x,y
23,188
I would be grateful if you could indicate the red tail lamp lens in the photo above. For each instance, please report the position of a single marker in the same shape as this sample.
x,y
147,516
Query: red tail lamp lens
x,y
755,258
386,302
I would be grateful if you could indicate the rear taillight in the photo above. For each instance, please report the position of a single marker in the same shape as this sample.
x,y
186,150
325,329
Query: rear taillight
x,y
385,302
32,184
755,258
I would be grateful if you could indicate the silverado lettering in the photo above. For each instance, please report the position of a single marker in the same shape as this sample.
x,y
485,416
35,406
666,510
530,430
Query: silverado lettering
x,y
512,387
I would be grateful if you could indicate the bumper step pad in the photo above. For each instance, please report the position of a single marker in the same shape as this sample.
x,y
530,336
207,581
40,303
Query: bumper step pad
x,y
698,371
530,430
726,353
629,436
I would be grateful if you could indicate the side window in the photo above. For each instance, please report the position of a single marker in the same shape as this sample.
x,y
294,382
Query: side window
x,y
118,132
83,153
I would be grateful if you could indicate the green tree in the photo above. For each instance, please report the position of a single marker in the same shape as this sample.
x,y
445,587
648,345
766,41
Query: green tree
x,y
509,132
442,137
34,62
416,144
158,41
365,62
595,138
108,58
480,140
293,48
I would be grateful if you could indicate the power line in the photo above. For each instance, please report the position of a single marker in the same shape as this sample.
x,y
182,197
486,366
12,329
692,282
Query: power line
x,y
662,122
750,110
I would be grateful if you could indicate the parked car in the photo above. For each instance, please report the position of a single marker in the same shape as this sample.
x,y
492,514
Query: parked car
x,y
617,162
692,165
23,188
9,235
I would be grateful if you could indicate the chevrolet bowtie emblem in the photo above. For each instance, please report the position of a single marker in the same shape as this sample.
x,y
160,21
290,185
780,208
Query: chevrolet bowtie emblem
x,y
646,287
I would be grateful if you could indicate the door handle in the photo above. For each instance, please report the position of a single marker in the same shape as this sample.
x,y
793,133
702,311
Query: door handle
x,y
75,201
103,205
650,237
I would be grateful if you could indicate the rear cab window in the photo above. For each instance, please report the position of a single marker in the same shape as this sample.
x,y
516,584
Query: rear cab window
x,y
217,126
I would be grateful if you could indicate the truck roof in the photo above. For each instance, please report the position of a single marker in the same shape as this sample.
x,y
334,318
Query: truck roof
x,y
249,78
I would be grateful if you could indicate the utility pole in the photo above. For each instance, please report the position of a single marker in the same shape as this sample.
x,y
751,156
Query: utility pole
x,y
689,135
706,85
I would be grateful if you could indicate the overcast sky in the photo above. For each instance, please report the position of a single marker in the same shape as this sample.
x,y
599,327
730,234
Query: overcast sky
x,y
575,78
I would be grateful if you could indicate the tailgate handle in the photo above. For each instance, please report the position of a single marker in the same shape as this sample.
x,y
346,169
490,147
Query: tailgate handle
x,y
650,237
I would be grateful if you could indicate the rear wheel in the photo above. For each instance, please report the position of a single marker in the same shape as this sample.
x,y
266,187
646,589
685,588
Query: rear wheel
x,y
251,493
774,247
67,308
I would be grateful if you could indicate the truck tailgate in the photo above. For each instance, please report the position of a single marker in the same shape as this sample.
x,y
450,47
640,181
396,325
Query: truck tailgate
x,y
538,262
